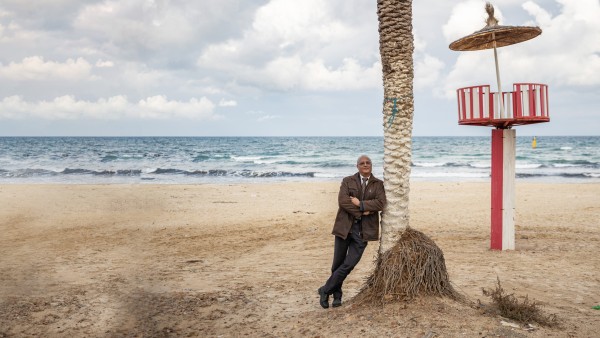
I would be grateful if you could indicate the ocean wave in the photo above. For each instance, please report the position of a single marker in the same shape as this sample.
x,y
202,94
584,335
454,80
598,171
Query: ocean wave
x,y
518,165
120,172
213,172
268,161
429,164
580,175
201,158
235,173
21,173
109,158
480,165
445,174
530,175
477,165
266,174
450,175
128,172
250,159
25,173
69,171
528,166
333,164
159,171
324,175
575,163
561,174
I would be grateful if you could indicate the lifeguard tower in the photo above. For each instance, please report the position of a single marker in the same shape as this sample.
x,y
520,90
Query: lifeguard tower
x,y
527,103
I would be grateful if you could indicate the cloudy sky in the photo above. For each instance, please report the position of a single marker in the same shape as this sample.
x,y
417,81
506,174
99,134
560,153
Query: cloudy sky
x,y
275,67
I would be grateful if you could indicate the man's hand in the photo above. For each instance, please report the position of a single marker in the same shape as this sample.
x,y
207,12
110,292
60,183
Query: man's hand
x,y
356,202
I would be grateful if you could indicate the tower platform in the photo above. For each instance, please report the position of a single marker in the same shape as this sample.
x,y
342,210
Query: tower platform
x,y
526,104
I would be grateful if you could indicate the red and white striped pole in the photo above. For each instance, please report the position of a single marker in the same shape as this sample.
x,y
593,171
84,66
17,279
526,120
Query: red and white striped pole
x,y
503,189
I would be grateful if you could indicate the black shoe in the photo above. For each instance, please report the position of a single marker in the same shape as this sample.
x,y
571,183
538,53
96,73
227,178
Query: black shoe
x,y
337,298
324,298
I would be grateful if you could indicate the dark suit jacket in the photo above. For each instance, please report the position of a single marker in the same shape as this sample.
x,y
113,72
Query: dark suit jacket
x,y
373,201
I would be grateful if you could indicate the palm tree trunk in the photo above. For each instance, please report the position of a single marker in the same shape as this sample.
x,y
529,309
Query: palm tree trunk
x,y
396,47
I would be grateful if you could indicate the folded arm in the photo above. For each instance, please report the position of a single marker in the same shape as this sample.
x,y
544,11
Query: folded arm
x,y
375,204
346,198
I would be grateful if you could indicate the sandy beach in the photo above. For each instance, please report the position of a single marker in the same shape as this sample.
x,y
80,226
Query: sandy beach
x,y
246,260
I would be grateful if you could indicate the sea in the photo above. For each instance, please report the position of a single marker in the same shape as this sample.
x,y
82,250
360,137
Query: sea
x,y
201,160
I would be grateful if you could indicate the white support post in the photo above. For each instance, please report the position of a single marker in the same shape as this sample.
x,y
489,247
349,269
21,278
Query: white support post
x,y
503,189
508,193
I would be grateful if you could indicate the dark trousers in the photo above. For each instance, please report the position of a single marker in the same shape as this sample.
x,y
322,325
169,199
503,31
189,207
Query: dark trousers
x,y
346,254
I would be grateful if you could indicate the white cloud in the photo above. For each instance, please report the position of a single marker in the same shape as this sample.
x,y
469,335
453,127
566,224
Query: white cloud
x,y
467,17
104,64
268,117
570,43
255,112
427,71
262,116
141,76
304,45
116,107
542,17
158,107
350,75
227,103
35,68
11,31
287,73
210,90
289,22
428,68
293,73
150,24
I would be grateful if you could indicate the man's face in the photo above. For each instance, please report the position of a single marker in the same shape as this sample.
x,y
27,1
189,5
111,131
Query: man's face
x,y
364,166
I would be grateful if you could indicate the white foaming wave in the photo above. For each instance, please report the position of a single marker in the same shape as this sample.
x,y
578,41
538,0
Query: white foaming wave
x,y
246,158
259,161
564,165
50,168
324,175
429,164
127,156
480,165
528,166
447,174
566,148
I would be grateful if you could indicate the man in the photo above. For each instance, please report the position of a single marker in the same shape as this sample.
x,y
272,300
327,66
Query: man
x,y
360,200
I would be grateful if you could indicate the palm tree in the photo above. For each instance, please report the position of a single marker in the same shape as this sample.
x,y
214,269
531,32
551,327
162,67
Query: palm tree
x,y
409,262
396,47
